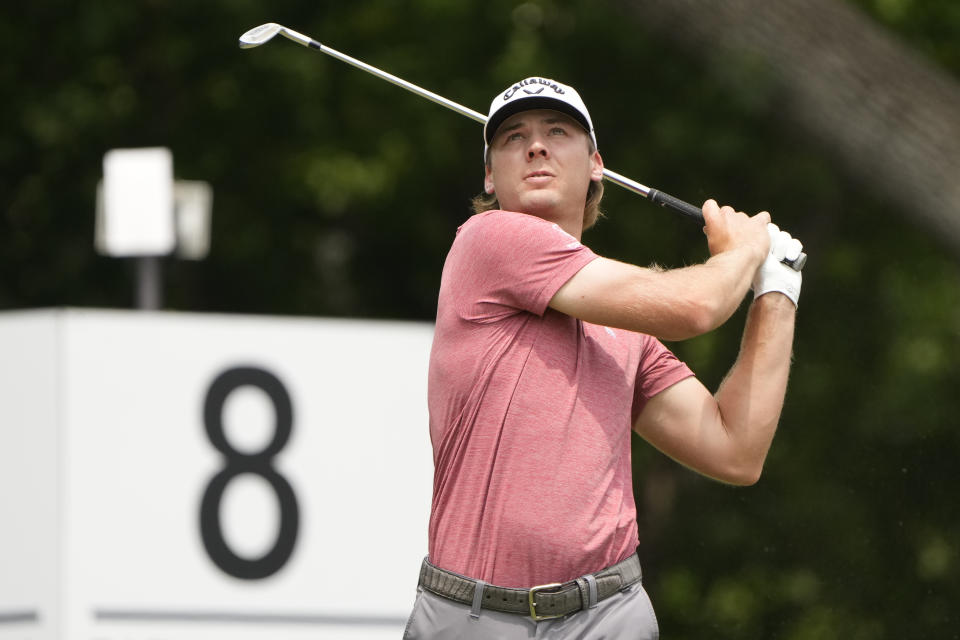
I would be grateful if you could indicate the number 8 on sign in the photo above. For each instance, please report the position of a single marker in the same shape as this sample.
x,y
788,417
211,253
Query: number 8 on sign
x,y
259,464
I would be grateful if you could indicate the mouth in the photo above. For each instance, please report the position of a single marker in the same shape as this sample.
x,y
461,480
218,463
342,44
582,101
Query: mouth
x,y
538,176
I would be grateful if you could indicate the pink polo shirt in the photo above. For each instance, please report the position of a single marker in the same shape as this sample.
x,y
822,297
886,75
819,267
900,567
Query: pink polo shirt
x,y
531,411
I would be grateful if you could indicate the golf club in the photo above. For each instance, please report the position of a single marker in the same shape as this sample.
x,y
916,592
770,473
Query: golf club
x,y
265,32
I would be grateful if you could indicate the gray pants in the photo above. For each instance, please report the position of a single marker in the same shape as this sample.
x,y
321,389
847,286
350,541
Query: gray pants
x,y
627,615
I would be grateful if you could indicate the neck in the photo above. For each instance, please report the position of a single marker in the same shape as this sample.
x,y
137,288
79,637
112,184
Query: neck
x,y
573,228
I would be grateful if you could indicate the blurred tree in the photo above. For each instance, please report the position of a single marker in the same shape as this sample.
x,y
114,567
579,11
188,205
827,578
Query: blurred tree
x,y
886,112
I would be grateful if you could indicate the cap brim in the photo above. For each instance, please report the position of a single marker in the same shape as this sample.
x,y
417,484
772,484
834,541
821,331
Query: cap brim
x,y
528,104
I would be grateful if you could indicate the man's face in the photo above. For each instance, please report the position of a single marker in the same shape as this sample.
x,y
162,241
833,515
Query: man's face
x,y
541,164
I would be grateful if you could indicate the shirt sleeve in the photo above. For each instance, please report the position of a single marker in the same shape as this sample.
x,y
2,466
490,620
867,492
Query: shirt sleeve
x,y
659,369
506,262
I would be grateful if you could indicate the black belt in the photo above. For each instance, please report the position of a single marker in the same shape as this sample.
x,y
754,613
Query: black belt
x,y
541,602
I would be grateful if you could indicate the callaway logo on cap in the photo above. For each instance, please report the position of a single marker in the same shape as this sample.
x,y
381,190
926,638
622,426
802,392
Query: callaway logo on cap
x,y
536,93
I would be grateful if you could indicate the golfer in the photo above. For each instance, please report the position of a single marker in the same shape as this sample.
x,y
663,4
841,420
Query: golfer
x,y
546,355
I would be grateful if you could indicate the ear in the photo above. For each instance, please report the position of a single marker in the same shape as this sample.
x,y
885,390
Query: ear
x,y
488,179
596,171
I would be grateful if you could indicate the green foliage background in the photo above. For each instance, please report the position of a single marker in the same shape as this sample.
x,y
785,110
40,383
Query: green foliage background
x,y
337,194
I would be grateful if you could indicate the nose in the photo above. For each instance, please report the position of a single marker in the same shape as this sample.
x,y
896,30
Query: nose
x,y
536,148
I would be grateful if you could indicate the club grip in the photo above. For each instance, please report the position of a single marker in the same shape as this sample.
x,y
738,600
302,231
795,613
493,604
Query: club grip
x,y
696,214
666,200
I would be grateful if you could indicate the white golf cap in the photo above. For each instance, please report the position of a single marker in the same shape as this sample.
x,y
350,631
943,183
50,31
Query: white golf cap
x,y
536,93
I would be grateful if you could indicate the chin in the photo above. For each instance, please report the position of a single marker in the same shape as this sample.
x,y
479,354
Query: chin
x,y
539,204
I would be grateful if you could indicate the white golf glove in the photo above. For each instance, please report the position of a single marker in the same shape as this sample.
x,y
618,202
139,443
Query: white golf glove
x,y
773,275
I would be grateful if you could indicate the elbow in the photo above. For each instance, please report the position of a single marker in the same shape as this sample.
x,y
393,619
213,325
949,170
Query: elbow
x,y
745,475
704,319
749,478
697,318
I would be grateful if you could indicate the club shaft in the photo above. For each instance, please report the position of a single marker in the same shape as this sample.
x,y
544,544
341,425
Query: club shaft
x,y
383,75
654,195
612,176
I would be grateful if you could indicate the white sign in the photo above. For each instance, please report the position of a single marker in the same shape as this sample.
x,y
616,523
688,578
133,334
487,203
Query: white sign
x,y
206,476
137,214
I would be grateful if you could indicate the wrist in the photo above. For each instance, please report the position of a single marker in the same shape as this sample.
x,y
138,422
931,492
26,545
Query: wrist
x,y
747,256
775,300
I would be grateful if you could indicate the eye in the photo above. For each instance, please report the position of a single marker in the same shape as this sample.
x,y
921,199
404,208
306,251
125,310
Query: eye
x,y
558,131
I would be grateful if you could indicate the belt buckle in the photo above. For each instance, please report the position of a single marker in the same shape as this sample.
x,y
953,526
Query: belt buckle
x,y
533,604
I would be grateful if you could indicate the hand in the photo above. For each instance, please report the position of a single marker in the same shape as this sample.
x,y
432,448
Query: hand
x,y
727,229
773,275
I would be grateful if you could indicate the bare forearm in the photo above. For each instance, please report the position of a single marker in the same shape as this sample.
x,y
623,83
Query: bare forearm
x,y
672,305
700,298
676,304
750,398
726,278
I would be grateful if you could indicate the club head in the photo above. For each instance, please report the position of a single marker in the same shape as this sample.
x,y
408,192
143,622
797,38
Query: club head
x,y
258,35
